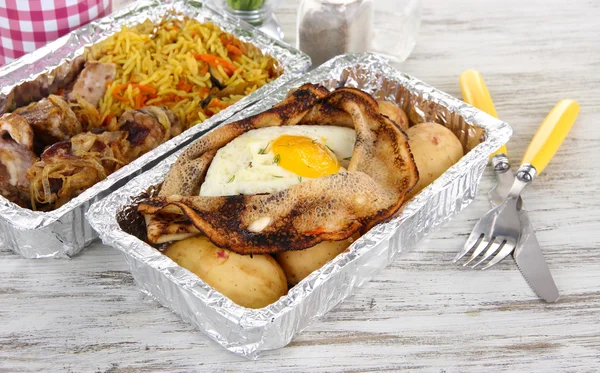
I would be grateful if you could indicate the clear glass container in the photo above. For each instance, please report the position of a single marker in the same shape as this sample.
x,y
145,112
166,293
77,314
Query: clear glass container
x,y
396,26
258,13
327,28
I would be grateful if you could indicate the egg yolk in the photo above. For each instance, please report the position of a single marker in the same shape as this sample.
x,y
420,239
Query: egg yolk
x,y
304,156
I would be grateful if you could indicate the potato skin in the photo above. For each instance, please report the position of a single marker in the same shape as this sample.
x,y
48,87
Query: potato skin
x,y
392,111
435,148
298,264
252,282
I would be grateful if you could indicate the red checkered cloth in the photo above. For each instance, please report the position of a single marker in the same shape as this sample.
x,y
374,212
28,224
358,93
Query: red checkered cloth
x,y
26,25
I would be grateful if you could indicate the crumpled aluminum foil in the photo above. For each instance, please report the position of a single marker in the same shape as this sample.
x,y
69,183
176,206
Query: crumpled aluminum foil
x,y
64,232
247,332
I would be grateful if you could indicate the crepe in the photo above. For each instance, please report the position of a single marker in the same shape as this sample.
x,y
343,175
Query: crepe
x,y
380,174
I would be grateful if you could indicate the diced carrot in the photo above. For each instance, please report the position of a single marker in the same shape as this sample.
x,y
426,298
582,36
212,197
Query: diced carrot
x,y
107,84
234,50
183,86
116,93
145,88
241,46
194,33
175,97
139,102
108,118
204,69
215,103
224,40
117,90
216,61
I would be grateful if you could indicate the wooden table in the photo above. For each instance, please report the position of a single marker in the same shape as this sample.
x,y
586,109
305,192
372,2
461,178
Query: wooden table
x,y
422,313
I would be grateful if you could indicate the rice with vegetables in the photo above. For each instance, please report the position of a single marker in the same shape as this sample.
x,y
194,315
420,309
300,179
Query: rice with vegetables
x,y
137,89
194,69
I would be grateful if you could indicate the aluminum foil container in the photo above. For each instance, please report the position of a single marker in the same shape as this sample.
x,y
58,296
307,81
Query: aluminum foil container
x,y
64,232
247,332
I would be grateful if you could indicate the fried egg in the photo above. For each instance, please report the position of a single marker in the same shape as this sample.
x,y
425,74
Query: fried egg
x,y
267,160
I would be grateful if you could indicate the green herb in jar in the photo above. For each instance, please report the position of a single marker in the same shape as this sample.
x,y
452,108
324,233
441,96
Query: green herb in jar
x,y
245,4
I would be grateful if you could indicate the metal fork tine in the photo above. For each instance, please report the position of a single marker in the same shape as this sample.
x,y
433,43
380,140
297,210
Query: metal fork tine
x,y
479,249
489,252
508,248
501,223
472,241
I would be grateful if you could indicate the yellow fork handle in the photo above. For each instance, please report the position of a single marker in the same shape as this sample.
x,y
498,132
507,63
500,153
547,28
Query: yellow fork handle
x,y
551,134
501,150
475,92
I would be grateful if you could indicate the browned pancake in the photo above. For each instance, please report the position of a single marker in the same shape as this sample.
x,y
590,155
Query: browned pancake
x,y
381,172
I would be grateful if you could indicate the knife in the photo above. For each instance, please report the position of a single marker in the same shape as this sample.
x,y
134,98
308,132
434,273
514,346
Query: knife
x,y
527,254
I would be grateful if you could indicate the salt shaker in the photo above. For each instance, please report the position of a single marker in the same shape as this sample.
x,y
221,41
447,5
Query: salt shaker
x,y
327,28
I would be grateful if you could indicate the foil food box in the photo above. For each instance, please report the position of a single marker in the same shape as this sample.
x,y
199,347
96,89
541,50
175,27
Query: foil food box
x,y
65,231
247,332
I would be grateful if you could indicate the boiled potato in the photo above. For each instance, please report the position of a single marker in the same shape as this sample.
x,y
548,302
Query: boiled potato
x,y
435,149
252,282
298,264
392,111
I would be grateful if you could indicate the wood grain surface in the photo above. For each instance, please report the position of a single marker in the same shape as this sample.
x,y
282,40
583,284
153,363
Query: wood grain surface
x,y
420,314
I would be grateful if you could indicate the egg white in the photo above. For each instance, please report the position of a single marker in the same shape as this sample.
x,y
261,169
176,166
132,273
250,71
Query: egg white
x,y
247,166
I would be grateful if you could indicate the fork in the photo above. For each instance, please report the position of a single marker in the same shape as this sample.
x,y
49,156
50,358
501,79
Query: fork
x,y
475,92
499,230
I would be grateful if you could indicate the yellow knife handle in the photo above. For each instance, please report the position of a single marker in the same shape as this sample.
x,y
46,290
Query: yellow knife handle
x,y
551,134
475,92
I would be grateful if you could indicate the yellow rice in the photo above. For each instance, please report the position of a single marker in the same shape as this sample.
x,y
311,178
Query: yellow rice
x,y
163,65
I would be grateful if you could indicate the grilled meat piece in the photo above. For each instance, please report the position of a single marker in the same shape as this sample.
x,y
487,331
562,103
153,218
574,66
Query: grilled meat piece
x,y
51,119
14,162
17,128
16,155
148,128
86,114
111,147
68,168
91,83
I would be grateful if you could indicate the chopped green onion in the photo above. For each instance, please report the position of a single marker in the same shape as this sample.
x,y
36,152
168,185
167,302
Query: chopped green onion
x,y
232,178
276,159
263,150
246,4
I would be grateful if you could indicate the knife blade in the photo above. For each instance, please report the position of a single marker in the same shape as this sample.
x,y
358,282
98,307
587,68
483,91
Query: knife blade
x,y
527,254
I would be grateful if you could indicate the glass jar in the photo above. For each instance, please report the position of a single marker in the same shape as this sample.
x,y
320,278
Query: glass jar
x,y
397,24
258,13
327,28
